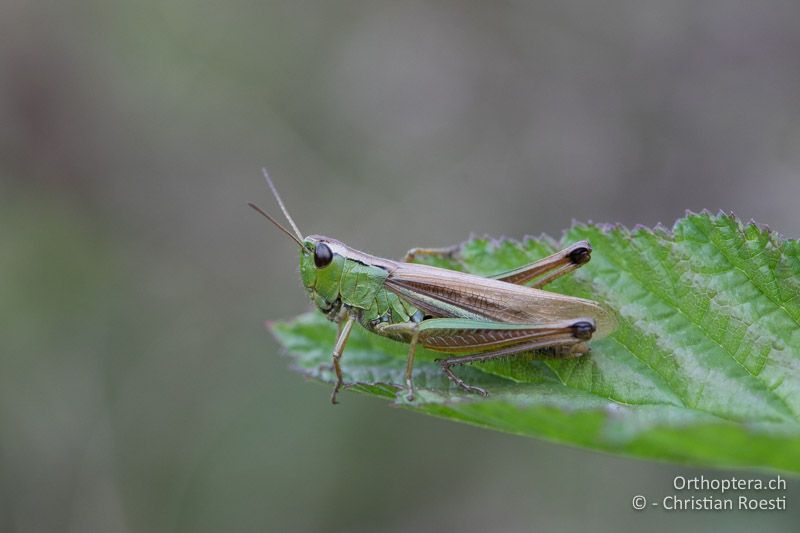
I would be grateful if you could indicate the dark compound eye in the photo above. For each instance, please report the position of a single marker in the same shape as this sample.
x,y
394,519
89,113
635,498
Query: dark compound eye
x,y
322,255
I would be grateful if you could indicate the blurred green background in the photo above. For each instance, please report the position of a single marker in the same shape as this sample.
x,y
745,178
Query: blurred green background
x,y
138,388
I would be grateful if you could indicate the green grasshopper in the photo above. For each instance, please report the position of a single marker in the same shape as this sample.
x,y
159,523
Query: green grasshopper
x,y
468,318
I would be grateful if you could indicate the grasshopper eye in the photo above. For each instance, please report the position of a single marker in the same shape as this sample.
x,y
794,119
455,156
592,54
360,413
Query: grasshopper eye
x,y
322,255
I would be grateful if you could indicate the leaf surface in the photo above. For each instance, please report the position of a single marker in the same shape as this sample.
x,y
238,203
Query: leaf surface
x,y
703,368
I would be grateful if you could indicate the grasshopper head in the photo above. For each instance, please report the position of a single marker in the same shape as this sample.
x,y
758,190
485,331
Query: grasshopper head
x,y
322,259
321,262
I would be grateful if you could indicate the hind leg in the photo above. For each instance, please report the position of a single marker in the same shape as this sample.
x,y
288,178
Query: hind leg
x,y
550,268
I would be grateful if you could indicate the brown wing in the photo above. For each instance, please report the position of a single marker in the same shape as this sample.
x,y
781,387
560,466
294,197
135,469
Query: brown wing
x,y
445,293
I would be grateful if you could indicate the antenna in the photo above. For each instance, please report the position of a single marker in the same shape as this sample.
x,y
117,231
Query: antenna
x,y
280,203
277,224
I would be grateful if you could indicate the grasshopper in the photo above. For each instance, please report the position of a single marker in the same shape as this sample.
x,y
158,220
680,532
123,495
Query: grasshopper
x,y
465,317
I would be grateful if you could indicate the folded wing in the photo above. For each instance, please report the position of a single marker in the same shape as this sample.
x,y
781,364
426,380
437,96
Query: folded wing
x,y
445,293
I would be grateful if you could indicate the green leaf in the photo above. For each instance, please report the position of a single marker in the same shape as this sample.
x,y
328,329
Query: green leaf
x,y
704,367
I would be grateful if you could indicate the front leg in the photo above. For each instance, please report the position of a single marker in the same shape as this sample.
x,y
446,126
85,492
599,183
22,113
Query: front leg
x,y
344,334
